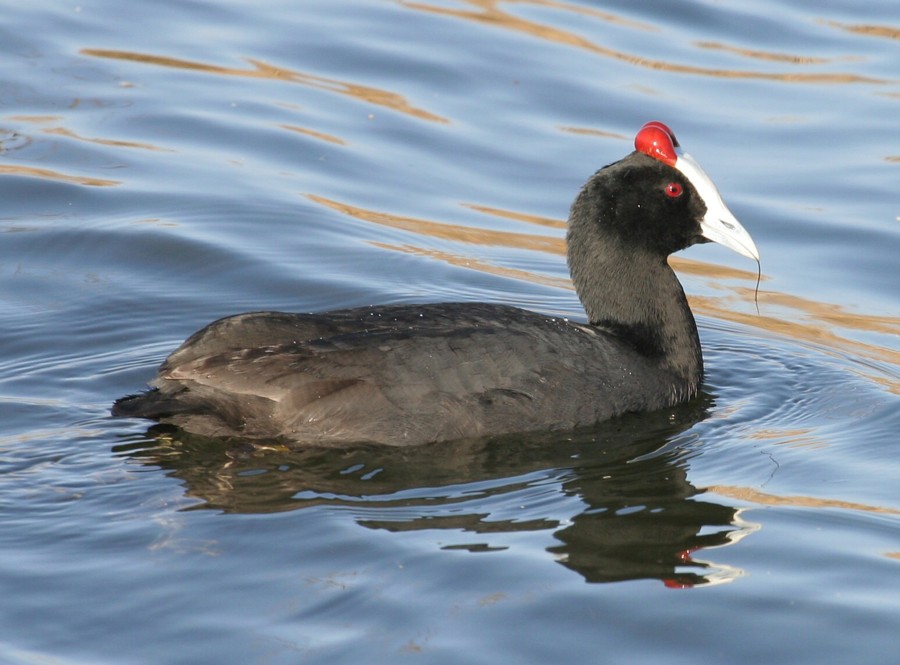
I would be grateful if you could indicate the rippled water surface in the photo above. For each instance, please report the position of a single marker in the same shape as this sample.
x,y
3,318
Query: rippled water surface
x,y
166,163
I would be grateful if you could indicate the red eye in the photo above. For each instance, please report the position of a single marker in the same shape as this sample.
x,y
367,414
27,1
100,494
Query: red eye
x,y
674,190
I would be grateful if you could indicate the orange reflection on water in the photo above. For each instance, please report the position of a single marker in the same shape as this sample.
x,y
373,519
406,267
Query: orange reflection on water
x,y
481,266
322,136
766,499
62,131
537,220
48,174
444,231
883,31
764,55
263,70
796,437
490,12
813,322
588,131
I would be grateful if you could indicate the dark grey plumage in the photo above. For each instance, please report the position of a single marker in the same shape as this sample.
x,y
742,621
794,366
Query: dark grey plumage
x,y
403,375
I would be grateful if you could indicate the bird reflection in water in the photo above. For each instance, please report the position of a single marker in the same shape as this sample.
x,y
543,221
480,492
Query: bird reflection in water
x,y
635,514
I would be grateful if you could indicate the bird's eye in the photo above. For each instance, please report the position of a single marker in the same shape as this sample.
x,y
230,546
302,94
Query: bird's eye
x,y
674,190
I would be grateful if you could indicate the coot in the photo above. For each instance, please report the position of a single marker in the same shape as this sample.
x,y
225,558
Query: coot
x,y
411,374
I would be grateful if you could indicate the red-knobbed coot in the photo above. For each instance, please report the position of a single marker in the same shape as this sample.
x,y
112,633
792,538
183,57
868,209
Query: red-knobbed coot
x,y
410,374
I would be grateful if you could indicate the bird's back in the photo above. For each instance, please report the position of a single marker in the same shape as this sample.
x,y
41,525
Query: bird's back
x,y
398,375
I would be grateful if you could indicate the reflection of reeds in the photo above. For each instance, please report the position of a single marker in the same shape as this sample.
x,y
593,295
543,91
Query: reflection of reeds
x,y
812,322
322,136
763,55
261,70
490,12
481,266
804,320
62,131
446,231
766,499
48,174
868,30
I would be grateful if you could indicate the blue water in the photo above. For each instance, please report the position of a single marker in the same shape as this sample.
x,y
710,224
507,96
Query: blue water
x,y
163,164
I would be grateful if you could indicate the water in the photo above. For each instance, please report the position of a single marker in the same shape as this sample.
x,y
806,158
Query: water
x,y
163,164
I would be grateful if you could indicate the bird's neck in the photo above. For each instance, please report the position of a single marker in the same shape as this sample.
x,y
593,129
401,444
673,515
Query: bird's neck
x,y
637,297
